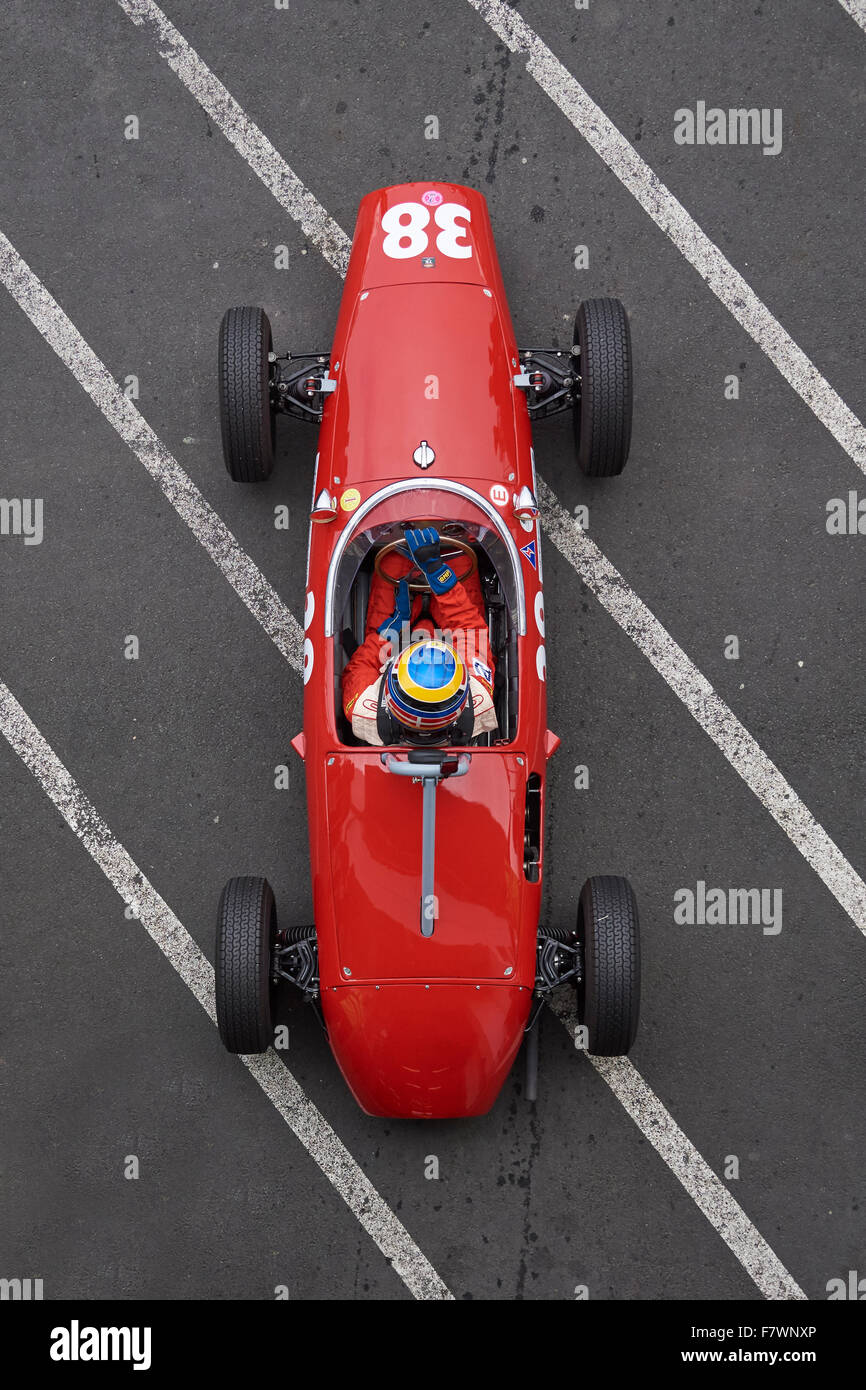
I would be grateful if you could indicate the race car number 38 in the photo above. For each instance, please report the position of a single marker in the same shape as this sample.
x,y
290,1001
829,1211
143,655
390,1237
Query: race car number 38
x,y
405,227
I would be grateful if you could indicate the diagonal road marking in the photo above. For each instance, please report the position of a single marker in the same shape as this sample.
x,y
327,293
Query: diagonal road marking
x,y
717,720
697,1177
243,133
668,213
694,690
745,755
83,819
334,244
857,10
208,528
180,950
588,118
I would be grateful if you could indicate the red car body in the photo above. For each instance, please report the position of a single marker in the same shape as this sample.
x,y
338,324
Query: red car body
x,y
424,350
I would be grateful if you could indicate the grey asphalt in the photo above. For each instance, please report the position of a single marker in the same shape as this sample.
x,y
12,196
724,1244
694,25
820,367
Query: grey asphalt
x,y
754,1043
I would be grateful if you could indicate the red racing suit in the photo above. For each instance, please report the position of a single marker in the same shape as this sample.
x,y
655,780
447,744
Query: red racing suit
x,y
457,615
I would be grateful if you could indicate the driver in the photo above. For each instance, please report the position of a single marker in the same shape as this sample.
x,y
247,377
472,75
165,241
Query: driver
x,y
441,681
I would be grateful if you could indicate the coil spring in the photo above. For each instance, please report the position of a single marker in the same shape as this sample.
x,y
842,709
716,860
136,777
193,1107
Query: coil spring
x,y
291,934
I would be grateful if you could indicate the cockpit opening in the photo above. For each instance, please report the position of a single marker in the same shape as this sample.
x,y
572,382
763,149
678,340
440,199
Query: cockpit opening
x,y
481,552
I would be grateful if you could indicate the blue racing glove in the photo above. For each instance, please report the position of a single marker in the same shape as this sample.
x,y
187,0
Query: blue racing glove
x,y
424,548
392,628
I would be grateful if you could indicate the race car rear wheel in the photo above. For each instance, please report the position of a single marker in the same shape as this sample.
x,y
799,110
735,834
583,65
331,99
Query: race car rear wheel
x,y
245,935
602,415
608,995
246,415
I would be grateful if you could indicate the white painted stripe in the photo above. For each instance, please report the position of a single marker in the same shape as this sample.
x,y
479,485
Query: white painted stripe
x,y
679,1153
324,223
741,750
673,219
856,9
746,757
588,118
178,947
303,1117
246,137
208,528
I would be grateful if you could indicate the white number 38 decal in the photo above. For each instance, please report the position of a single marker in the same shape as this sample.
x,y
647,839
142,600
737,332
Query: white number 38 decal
x,y
404,227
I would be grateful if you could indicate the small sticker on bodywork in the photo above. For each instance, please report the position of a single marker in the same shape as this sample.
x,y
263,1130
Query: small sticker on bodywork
x,y
528,552
350,499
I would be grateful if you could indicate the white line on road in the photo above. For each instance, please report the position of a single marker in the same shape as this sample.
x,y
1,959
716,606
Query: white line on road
x,y
181,951
697,1177
856,9
669,214
243,133
208,528
145,10
741,750
160,922
746,756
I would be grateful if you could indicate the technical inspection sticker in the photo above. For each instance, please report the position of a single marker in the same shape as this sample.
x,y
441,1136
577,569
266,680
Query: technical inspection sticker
x,y
350,499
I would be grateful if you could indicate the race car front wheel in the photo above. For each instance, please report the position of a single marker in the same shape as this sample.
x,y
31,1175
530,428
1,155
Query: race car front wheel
x,y
608,995
246,415
245,935
602,414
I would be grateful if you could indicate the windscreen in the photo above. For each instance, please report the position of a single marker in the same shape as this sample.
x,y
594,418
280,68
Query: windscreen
x,y
455,512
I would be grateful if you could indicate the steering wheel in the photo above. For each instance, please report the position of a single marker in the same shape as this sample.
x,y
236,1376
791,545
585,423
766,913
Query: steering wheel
x,y
415,577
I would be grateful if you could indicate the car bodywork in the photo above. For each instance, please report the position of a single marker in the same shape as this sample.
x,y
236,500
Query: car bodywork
x,y
425,417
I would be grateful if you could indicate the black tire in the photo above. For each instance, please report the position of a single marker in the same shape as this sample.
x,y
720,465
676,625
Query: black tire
x,y
602,416
246,417
608,997
246,928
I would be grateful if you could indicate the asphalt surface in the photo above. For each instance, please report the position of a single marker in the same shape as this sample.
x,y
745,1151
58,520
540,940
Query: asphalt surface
x,y
753,1042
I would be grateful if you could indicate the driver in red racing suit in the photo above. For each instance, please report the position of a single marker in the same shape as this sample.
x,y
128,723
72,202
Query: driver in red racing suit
x,y
456,613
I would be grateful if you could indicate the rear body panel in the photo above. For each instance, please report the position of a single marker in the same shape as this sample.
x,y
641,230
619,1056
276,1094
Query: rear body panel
x,y
428,1052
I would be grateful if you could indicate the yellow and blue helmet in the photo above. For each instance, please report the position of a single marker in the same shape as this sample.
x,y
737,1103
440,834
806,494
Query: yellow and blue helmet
x,y
427,686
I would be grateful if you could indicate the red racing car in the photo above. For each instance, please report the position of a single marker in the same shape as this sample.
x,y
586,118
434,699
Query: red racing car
x,y
426,759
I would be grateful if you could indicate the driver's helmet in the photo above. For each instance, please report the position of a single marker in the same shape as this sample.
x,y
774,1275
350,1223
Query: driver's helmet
x,y
426,686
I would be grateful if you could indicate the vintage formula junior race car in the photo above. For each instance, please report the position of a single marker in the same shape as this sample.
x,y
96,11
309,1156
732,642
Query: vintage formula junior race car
x,y
425,752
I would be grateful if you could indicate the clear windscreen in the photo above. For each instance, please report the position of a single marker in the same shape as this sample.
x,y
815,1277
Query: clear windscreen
x,y
452,514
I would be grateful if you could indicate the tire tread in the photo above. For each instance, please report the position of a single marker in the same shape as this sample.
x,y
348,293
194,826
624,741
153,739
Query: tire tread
x,y
245,921
611,938
244,390
602,422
